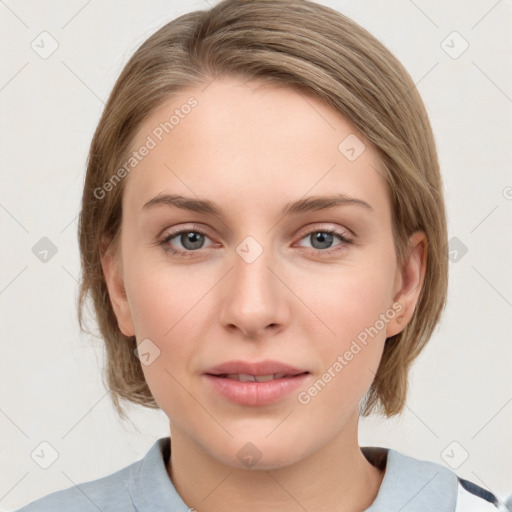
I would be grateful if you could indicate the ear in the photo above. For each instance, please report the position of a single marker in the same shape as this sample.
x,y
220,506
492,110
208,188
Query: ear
x,y
113,272
408,283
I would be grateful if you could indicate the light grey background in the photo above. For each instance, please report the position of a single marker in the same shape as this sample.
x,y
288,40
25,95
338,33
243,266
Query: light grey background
x,y
460,401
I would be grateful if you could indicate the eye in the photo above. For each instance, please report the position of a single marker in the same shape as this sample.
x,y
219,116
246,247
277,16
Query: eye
x,y
187,240
323,239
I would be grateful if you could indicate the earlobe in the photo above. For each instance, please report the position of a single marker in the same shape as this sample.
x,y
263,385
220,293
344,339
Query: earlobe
x,y
410,278
112,271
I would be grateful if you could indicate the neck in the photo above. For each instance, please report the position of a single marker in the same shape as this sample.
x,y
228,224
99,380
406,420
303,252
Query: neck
x,y
337,477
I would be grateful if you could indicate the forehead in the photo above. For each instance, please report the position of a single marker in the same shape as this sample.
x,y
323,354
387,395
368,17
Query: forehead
x,y
247,143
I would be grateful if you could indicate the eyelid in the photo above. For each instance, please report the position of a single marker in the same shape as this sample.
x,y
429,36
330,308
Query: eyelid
x,y
186,228
325,227
168,235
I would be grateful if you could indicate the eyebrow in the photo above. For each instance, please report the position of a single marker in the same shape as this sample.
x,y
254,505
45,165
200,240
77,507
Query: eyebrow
x,y
308,204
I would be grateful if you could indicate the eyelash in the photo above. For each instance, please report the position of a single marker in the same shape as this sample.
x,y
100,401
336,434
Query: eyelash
x,y
194,229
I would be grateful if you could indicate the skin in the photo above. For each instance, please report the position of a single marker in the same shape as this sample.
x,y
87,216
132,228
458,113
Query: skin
x,y
252,148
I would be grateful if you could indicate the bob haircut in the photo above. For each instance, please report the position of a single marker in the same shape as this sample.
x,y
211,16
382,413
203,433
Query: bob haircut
x,y
314,50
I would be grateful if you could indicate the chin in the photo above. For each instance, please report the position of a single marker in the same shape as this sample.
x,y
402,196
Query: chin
x,y
259,453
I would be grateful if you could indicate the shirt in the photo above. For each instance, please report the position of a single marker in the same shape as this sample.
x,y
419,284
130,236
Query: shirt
x,y
144,486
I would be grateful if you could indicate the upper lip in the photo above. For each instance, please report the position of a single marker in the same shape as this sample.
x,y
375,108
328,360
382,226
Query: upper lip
x,y
267,367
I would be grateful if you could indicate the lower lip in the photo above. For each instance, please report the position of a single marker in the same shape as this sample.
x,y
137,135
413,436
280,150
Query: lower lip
x,y
255,393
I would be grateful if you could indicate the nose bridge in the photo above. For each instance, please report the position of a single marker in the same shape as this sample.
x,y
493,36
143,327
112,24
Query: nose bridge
x,y
254,297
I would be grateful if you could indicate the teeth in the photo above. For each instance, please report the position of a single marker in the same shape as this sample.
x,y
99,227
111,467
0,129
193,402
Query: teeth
x,y
244,377
264,378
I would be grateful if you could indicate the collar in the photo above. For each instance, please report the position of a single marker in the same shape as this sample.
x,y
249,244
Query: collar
x,y
408,485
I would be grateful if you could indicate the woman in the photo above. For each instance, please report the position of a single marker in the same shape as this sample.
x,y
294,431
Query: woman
x,y
262,234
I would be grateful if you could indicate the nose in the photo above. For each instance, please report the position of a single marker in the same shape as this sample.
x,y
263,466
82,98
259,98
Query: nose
x,y
255,300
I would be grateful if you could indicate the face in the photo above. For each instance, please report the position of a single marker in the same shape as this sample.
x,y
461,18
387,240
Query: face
x,y
247,266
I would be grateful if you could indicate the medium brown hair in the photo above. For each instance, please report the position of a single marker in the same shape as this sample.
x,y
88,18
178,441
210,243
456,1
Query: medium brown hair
x,y
311,48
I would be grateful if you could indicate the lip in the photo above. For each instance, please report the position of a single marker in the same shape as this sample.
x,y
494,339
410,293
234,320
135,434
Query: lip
x,y
267,367
254,393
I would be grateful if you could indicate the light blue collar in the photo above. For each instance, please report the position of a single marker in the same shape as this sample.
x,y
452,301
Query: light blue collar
x,y
408,484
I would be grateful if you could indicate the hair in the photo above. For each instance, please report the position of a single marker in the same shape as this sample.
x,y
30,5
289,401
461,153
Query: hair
x,y
313,49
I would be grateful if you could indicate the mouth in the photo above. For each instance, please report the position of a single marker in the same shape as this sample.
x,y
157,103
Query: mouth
x,y
255,383
246,377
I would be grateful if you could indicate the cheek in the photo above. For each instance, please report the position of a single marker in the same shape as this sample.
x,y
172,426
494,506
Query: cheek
x,y
350,300
161,295
164,317
354,305
168,307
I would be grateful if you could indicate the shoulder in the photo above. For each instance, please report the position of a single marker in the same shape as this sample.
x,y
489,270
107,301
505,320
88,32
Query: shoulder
x,y
108,494
143,485
411,484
